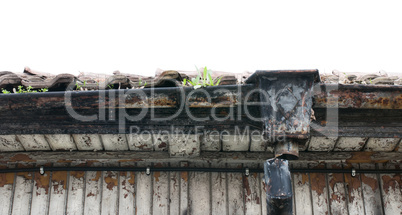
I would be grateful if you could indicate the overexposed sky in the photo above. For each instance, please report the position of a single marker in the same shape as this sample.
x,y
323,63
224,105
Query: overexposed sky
x,y
234,36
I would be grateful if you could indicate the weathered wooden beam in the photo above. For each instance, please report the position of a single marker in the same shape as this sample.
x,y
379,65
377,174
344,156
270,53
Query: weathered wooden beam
x,y
219,157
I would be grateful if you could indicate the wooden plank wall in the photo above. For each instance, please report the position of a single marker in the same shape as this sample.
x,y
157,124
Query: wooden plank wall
x,y
108,192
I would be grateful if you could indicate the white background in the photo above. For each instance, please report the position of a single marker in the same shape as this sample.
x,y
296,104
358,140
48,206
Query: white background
x,y
233,36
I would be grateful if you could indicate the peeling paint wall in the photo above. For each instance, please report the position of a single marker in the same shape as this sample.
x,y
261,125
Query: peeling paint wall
x,y
108,192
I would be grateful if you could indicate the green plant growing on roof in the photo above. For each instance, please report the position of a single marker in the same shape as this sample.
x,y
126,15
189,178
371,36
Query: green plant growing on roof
x,y
203,79
27,90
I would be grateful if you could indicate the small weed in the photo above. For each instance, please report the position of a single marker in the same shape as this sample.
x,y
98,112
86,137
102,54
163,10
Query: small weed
x,y
111,86
203,80
27,90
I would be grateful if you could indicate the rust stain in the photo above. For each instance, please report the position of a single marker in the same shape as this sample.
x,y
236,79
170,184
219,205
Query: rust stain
x,y
246,186
110,180
391,182
64,161
162,145
59,178
157,175
6,178
318,183
304,178
337,178
90,194
21,157
42,181
77,174
132,178
97,177
360,157
184,176
372,182
353,184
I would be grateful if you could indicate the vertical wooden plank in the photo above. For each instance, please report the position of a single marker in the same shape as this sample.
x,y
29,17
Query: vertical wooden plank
x,y
22,192
252,192
93,191
58,191
319,190
354,190
110,189
235,191
174,189
6,190
263,193
76,189
301,191
391,189
337,193
371,191
184,190
199,190
127,190
144,193
160,191
40,195
218,189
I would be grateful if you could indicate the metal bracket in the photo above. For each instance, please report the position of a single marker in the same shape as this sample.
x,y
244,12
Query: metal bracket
x,y
148,171
353,172
247,173
42,170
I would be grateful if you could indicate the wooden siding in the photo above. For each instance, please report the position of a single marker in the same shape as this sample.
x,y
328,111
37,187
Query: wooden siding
x,y
108,192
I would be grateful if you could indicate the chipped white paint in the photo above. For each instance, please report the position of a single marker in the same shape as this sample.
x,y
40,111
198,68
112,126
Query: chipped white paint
x,y
76,188
22,193
6,191
174,188
184,189
381,144
319,190
371,191
184,145
211,142
218,189
114,142
235,191
160,141
235,142
89,142
144,193
40,195
160,198
322,143
9,143
58,191
127,191
302,191
354,191
350,143
34,142
252,193
140,142
399,147
93,191
61,142
199,197
110,189
337,192
391,187
257,143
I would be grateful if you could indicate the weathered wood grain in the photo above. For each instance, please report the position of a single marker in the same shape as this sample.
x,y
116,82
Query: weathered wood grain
x,y
199,191
41,192
219,190
144,193
76,189
58,190
354,190
110,191
337,192
252,193
6,190
235,191
127,190
174,190
23,193
184,190
391,185
319,190
371,191
301,192
160,191
93,191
